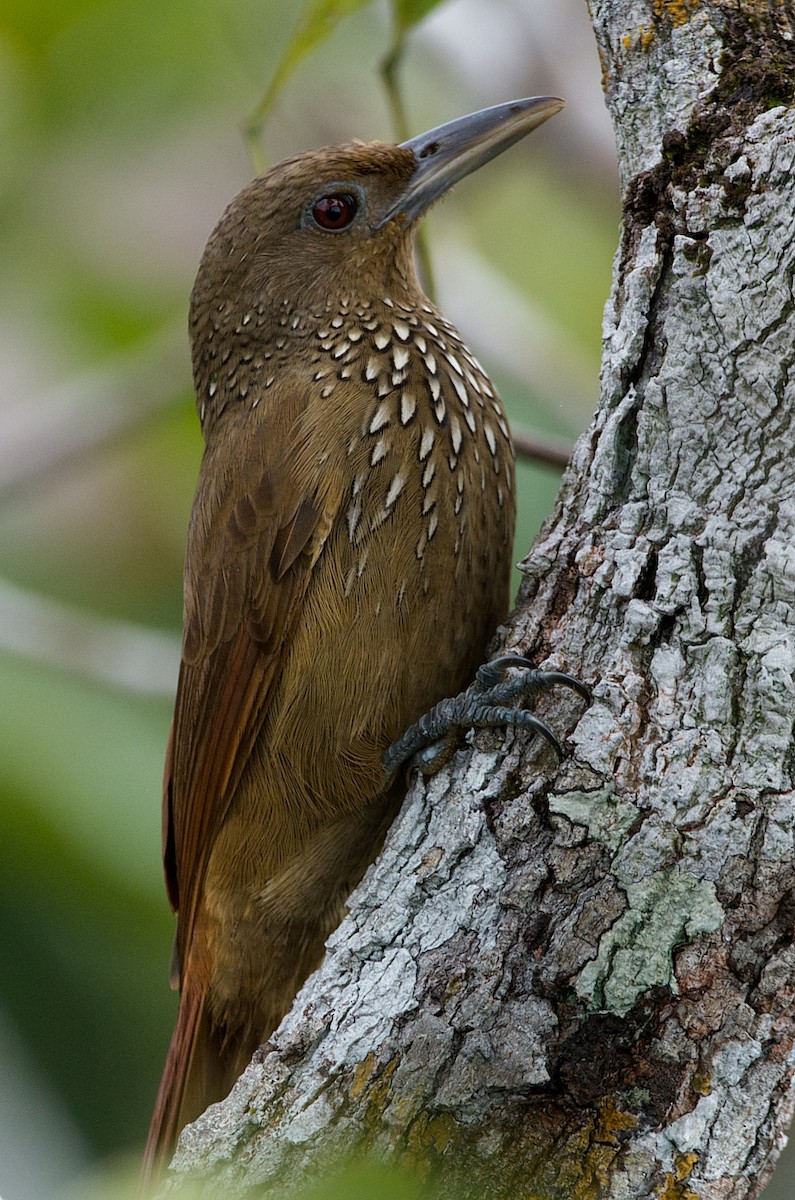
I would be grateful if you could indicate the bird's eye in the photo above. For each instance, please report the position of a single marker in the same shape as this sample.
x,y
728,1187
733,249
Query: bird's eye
x,y
335,212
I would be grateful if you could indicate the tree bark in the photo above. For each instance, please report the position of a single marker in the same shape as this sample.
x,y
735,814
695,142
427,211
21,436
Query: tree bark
x,y
576,979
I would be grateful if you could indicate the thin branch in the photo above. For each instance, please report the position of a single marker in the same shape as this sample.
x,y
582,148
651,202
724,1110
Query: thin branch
x,y
536,449
389,77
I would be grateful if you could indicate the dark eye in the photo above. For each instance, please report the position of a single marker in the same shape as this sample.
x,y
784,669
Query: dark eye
x,y
335,212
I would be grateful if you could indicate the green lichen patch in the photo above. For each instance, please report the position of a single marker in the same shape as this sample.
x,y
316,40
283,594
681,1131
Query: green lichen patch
x,y
665,910
607,816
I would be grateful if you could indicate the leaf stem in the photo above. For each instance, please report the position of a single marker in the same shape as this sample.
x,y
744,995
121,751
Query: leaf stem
x,y
389,76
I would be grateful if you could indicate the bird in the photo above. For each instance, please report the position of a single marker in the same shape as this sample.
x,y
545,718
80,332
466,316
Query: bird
x,y
347,563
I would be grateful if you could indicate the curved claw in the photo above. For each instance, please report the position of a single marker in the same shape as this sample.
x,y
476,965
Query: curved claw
x,y
484,704
552,677
491,672
525,719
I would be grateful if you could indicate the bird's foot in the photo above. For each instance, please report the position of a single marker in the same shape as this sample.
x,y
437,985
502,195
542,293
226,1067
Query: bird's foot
x,y
485,704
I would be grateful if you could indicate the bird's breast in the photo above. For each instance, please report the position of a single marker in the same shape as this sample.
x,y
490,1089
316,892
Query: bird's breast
x,y
407,416
414,576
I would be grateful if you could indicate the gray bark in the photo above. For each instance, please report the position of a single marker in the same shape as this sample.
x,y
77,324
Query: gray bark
x,y
576,979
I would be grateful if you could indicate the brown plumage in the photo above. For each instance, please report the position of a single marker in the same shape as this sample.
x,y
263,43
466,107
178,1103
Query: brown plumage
x,y
348,560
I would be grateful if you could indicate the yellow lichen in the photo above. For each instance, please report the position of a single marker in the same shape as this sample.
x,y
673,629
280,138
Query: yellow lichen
x,y
373,1088
589,1156
675,1190
677,11
362,1075
675,1186
437,1134
672,12
684,1164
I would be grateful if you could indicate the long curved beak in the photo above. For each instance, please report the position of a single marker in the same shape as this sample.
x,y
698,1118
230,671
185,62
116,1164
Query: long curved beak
x,y
448,153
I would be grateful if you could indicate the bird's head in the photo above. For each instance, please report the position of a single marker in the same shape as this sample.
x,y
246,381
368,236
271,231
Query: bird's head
x,y
338,224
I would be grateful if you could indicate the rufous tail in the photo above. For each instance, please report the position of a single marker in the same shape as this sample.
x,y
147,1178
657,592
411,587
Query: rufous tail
x,y
193,1078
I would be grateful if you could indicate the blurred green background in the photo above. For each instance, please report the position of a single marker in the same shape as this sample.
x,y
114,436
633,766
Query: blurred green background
x,y
120,144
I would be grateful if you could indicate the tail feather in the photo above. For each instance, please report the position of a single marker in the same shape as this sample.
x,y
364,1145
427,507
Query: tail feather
x,y
193,1078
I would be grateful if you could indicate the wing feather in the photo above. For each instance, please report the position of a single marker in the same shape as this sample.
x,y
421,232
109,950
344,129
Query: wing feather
x,y
255,536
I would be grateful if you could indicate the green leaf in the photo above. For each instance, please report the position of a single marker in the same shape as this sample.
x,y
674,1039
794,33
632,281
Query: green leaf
x,y
411,12
318,21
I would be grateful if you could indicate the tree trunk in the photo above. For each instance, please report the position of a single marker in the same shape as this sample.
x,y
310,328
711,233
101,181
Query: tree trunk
x,y
576,979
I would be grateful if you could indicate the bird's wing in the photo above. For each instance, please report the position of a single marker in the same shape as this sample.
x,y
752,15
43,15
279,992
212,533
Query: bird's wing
x,y
257,529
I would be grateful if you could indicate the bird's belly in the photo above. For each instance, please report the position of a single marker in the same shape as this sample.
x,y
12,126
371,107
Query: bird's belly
x,y
384,634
